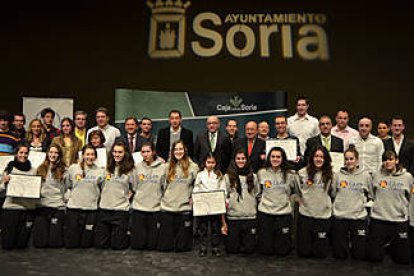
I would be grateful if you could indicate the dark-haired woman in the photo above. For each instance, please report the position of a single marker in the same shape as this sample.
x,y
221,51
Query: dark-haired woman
x,y
277,184
69,143
85,179
48,226
352,190
18,212
315,205
176,222
96,138
147,199
392,187
113,215
242,190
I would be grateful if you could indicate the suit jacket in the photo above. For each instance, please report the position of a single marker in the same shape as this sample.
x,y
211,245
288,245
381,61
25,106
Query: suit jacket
x,y
337,145
163,142
139,140
259,147
73,150
406,155
222,152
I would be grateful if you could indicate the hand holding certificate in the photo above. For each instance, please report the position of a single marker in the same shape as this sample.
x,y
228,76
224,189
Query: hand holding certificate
x,y
26,186
209,203
288,145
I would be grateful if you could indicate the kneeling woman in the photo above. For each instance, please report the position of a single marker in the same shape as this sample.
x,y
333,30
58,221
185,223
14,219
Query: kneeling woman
x,y
277,184
18,213
48,226
113,215
352,190
147,199
242,190
84,180
389,213
315,205
176,229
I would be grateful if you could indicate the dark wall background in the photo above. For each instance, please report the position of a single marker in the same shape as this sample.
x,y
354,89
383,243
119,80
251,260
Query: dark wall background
x,y
86,49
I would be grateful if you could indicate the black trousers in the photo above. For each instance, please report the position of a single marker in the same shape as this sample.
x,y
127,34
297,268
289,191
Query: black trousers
x,y
312,239
241,236
176,231
16,229
395,233
48,228
112,229
145,229
2,199
202,225
79,228
412,242
349,237
274,234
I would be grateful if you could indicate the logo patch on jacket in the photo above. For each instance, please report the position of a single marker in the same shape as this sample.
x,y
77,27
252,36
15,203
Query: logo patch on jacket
x,y
268,183
383,184
343,184
141,177
309,182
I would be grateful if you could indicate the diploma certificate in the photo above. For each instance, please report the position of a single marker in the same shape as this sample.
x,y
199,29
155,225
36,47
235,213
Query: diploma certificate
x,y
209,203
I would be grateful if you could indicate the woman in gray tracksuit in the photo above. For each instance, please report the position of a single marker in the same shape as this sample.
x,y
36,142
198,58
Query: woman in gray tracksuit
x,y
113,215
146,204
315,205
18,212
48,226
352,190
84,181
176,220
274,218
392,187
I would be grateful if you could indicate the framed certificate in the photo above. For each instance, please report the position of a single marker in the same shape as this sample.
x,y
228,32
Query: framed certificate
x,y
338,160
137,157
37,158
209,203
26,186
289,146
101,158
4,161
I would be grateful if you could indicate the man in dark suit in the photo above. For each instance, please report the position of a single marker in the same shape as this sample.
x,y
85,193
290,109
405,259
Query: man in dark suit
x,y
330,142
400,144
213,140
167,136
253,146
132,138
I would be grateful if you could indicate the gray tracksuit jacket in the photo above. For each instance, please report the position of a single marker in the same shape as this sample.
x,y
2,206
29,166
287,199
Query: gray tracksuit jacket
x,y
52,193
245,206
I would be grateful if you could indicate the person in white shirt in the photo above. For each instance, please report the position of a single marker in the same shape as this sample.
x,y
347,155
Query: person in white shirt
x,y
303,125
370,148
342,129
102,123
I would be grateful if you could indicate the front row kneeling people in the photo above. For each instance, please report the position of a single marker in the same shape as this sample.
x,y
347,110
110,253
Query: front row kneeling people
x,y
162,212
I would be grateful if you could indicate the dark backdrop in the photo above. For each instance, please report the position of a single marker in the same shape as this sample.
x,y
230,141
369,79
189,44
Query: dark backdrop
x,y
86,49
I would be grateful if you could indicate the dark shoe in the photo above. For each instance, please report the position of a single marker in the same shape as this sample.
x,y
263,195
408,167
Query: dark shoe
x,y
216,252
202,252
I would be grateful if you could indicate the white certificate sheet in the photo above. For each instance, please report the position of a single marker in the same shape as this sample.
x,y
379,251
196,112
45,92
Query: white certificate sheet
x,y
37,158
288,145
101,159
26,186
4,161
137,157
338,160
209,203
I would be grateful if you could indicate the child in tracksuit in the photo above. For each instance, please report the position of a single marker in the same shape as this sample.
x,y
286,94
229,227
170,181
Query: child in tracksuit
x,y
392,187
176,221
84,181
146,204
352,189
274,218
315,205
113,215
242,189
209,179
18,213
48,226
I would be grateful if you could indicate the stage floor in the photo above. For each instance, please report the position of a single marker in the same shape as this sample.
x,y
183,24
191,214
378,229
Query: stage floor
x,y
130,262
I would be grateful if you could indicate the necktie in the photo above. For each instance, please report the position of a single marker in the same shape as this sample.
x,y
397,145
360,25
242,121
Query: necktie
x,y
326,143
250,147
131,143
213,142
